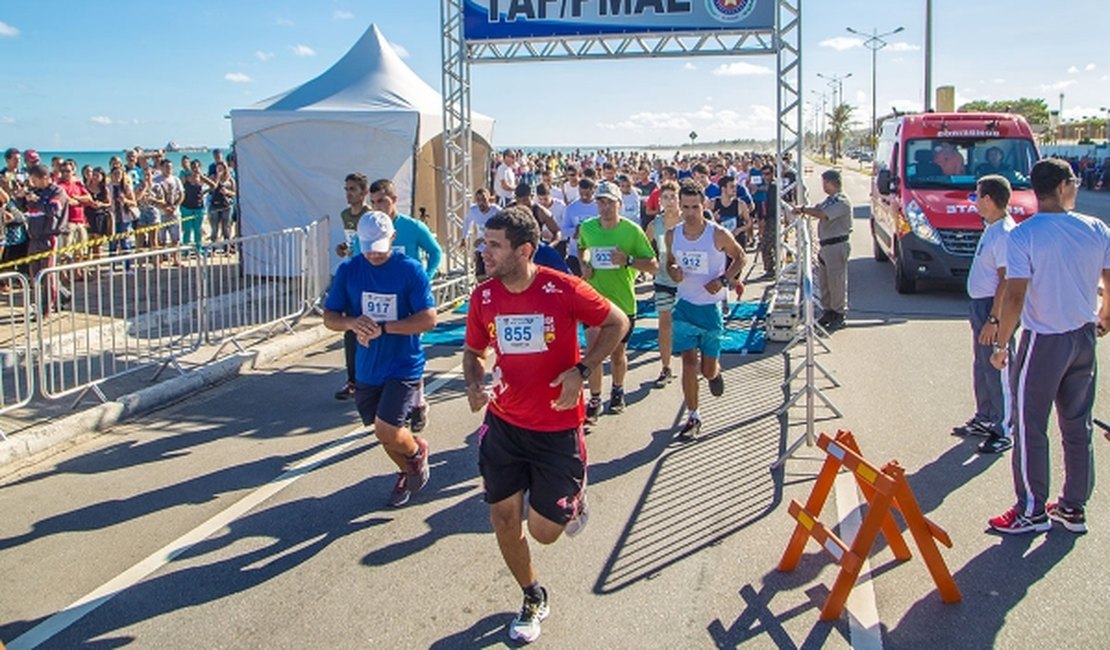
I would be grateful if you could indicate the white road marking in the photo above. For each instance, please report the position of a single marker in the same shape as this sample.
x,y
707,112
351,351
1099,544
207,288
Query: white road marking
x,y
60,621
865,632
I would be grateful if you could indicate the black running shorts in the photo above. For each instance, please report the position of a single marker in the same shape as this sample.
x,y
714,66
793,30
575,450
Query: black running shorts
x,y
550,465
390,402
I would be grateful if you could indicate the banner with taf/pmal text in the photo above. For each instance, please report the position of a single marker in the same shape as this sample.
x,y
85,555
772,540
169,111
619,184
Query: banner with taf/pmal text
x,y
505,20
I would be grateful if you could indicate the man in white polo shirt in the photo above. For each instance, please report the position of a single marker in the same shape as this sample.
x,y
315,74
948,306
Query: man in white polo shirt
x,y
986,283
1053,265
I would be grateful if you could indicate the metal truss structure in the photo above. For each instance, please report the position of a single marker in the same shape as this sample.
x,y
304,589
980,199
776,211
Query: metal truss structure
x,y
784,41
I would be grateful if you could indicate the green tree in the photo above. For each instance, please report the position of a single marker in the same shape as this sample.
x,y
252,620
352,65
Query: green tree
x,y
1034,110
840,121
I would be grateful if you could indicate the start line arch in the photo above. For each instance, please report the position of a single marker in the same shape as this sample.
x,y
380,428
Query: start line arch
x,y
506,31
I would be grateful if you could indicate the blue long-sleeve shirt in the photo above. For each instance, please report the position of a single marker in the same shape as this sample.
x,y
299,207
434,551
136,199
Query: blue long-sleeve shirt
x,y
412,238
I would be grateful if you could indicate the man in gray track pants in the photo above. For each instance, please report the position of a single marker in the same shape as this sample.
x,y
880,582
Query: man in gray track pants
x,y
986,283
1054,262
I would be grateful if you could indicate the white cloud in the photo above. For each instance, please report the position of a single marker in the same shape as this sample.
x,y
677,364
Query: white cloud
x,y
7,119
904,105
340,14
861,97
1089,67
1105,77
401,50
237,77
8,30
303,50
999,81
1080,112
263,56
1073,70
841,43
1058,86
283,21
689,66
898,59
739,69
902,46
711,123
101,120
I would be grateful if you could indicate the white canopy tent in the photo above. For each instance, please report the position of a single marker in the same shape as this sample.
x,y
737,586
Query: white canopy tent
x,y
369,113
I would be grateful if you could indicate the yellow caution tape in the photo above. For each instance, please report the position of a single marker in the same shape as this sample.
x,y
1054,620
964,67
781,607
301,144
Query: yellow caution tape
x,y
94,241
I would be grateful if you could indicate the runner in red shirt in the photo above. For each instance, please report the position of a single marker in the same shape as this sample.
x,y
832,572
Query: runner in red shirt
x,y
532,438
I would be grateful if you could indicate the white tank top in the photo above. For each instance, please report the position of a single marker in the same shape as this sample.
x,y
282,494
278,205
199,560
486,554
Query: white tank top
x,y
700,261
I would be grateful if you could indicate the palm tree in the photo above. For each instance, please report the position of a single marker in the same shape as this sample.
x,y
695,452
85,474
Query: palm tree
x,y
840,120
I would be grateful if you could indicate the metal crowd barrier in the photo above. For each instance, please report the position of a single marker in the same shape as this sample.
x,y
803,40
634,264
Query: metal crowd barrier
x,y
105,318
16,376
102,319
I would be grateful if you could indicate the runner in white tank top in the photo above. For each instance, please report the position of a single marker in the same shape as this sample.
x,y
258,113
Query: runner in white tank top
x,y
697,258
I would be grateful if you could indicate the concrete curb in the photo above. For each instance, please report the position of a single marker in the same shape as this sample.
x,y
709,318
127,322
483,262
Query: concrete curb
x,y
51,436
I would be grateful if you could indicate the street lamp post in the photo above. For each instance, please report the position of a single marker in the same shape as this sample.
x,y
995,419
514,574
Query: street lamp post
x,y
1106,134
821,126
928,55
836,83
874,42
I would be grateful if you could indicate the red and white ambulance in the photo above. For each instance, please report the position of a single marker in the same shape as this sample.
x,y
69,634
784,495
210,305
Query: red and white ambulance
x,y
923,215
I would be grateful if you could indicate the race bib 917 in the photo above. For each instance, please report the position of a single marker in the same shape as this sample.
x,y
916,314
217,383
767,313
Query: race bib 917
x,y
520,334
379,306
729,223
695,262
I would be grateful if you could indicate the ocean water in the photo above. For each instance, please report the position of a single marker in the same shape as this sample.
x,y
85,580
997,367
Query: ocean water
x,y
101,158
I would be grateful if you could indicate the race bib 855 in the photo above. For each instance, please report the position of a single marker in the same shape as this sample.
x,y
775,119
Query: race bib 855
x,y
520,334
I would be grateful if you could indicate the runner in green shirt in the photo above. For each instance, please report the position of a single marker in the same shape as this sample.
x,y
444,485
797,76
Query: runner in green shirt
x,y
613,250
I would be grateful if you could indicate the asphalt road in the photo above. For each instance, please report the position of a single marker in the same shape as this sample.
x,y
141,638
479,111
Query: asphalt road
x,y
680,552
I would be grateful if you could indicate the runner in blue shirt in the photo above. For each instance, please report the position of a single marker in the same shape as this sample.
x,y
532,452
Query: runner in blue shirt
x,y
416,241
389,299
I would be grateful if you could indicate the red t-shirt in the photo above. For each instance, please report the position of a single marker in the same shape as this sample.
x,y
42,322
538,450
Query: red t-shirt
x,y
652,202
74,189
535,336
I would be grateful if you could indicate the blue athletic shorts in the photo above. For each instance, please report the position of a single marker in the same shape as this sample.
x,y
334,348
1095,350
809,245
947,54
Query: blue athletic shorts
x,y
390,402
698,326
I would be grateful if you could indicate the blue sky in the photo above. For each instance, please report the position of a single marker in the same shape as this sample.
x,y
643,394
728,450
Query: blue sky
x,y
108,76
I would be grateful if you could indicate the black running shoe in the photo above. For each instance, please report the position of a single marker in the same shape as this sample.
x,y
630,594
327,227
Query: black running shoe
x,y
690,430
347,392
995,444
1071,518
593,409
973,427
665,377
616,401
717,385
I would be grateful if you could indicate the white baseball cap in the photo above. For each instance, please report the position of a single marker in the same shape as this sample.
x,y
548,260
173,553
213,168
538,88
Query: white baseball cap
x,y
375,232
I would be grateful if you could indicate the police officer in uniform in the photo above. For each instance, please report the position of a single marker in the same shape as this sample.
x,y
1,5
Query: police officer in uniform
x,y
834,225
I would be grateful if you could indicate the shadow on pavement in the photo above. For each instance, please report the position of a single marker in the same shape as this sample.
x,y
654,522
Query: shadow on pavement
x,y
332,518
758,619
992,584
700,493
490,631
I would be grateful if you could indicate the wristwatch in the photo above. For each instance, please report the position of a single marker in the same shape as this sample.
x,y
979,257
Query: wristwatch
x,y
998,348
724,280
992,319
584,370
630,261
